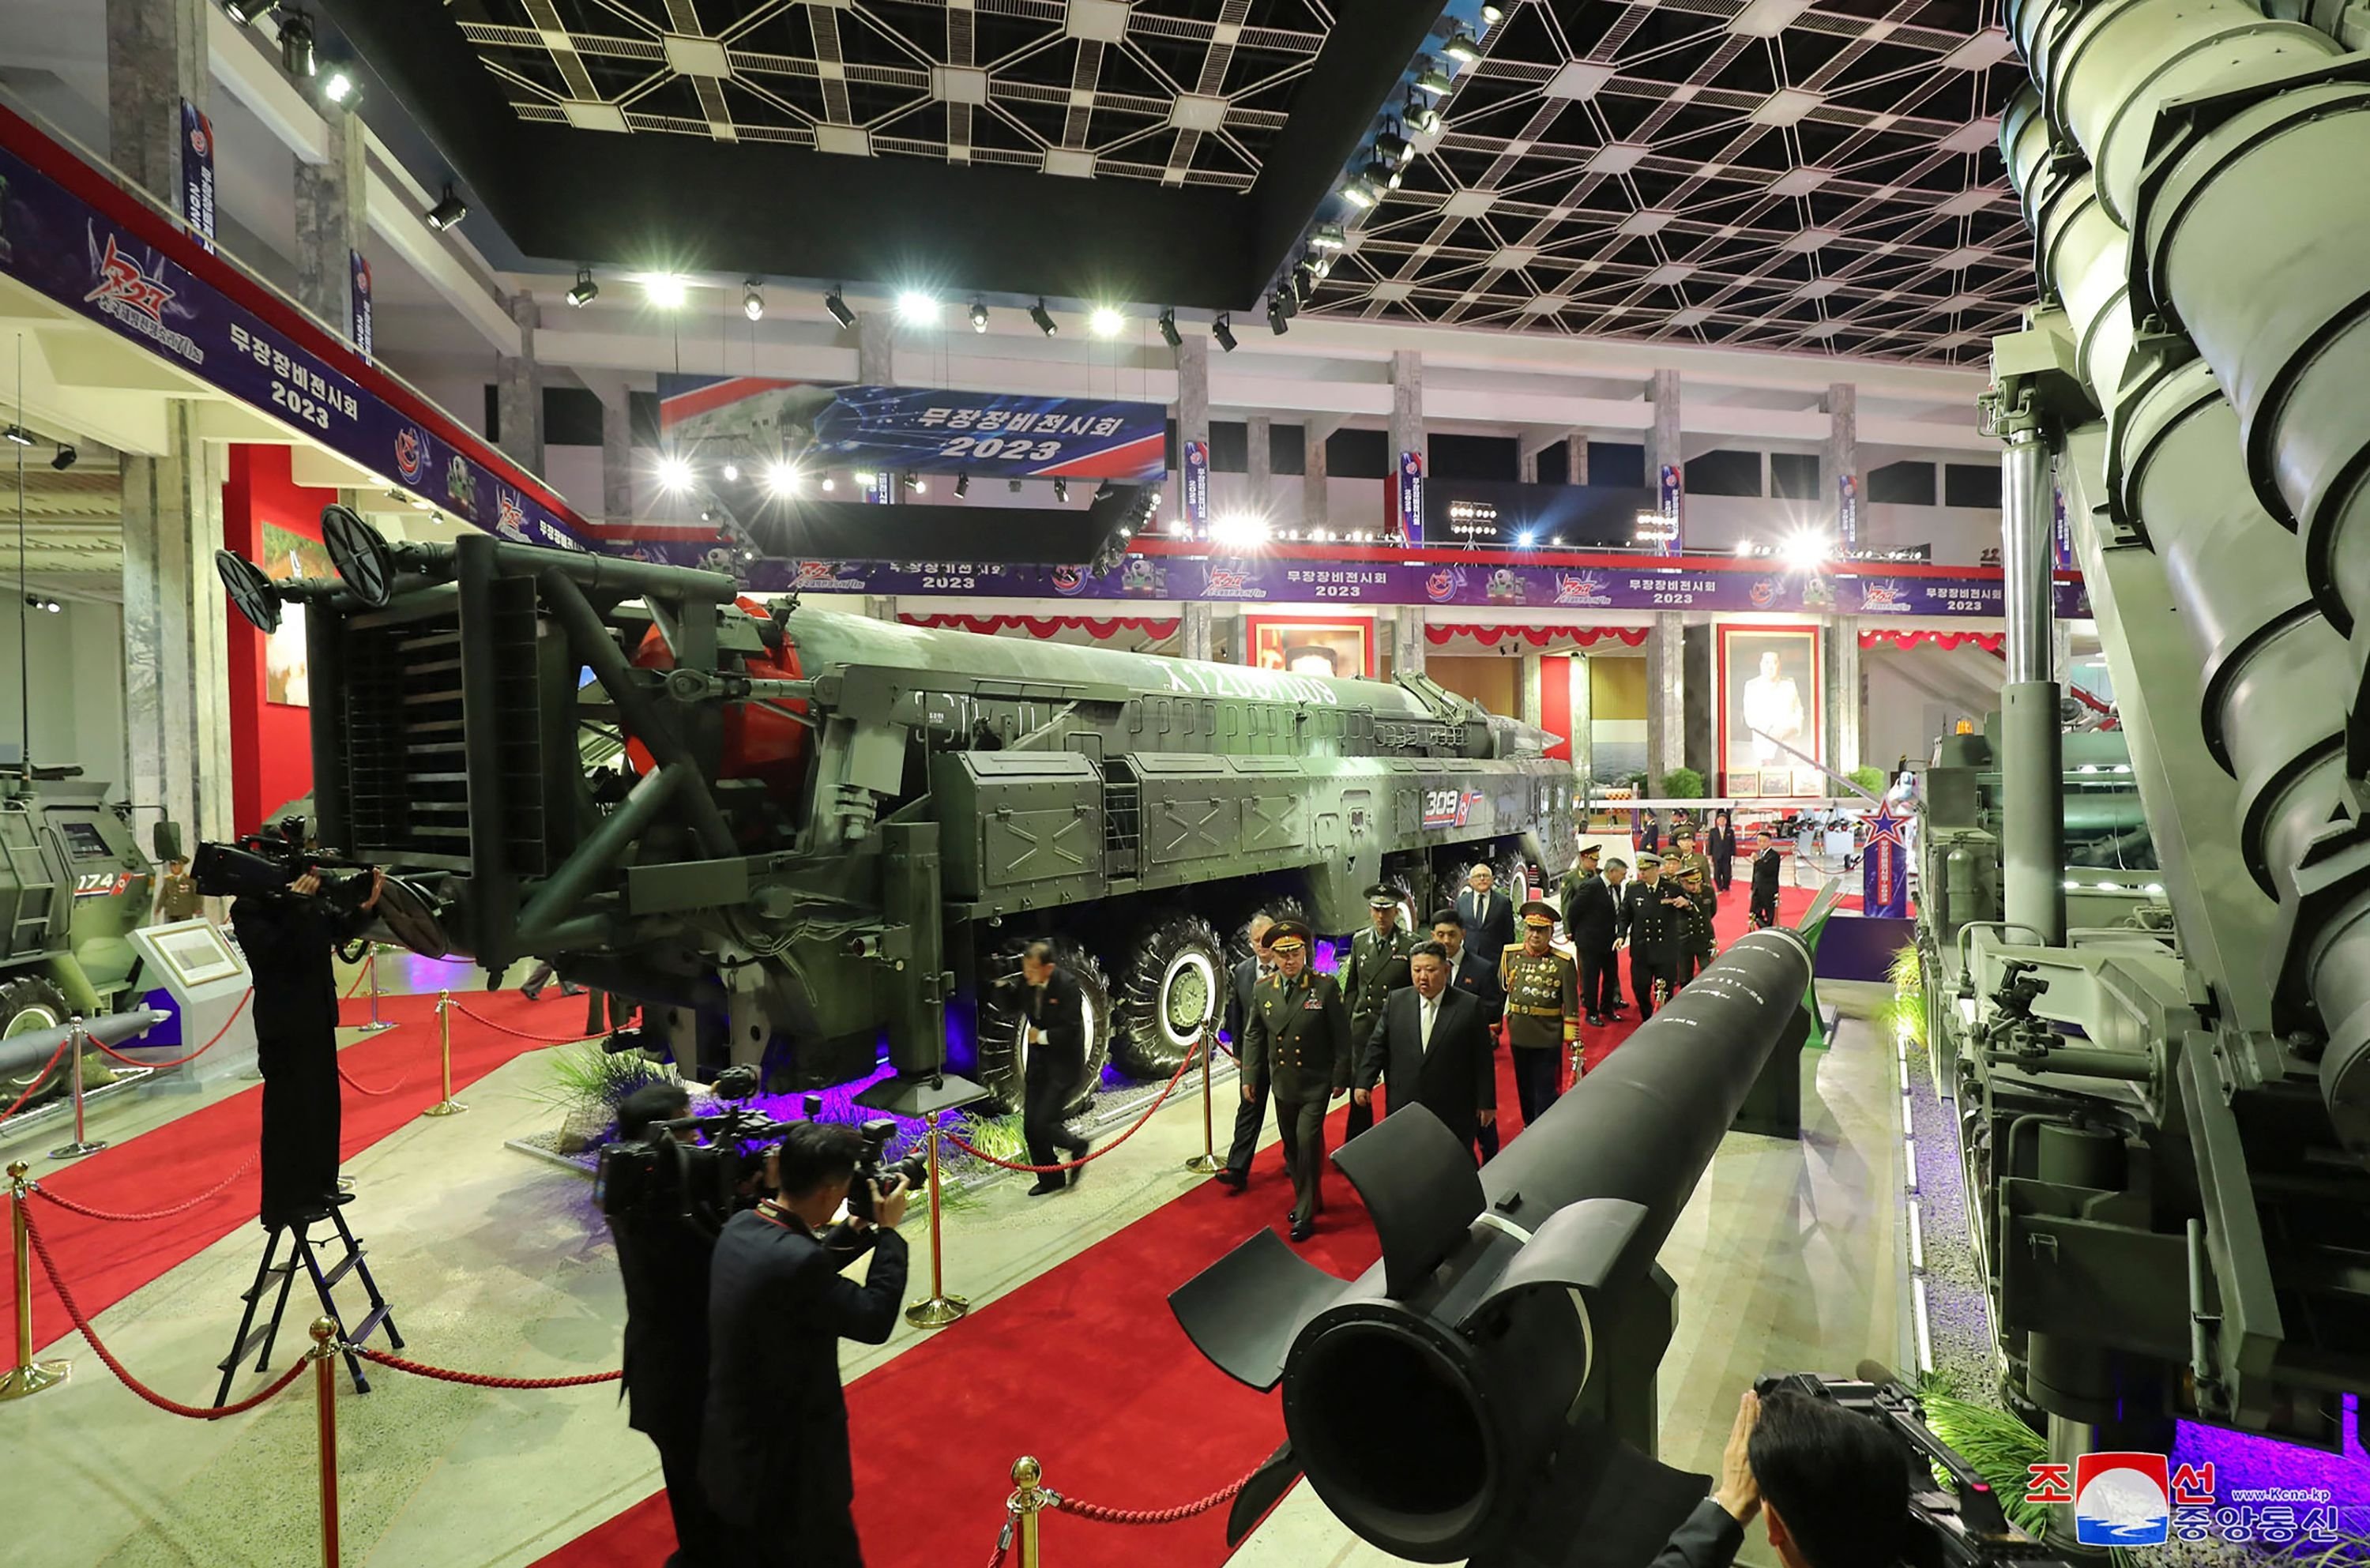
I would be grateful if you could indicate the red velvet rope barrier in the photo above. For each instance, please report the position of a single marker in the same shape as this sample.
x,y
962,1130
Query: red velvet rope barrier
x,y
521,1033
478,1379
1096,1511
1072,1165
160,1067
365,1088
39,1078
183,1208
171,1407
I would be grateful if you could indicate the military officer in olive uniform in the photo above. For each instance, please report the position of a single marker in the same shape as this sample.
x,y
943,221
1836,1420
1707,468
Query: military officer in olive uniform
x,y
1542,991
1297,1044
1378,966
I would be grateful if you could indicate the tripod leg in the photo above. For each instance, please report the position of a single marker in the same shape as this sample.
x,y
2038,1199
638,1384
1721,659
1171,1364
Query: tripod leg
x,y
246,1317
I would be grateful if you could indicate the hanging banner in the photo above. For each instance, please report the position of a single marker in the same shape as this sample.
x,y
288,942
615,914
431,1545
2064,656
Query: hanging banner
x,y
1884,866
2060,532
915,430
1671,495
1847,510
198,173
1411,494
1197,489
59,244
880,487
359,269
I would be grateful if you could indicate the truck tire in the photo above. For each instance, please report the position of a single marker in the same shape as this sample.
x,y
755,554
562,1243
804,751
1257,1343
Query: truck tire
x,y
1174,985
1002,1059
27,1006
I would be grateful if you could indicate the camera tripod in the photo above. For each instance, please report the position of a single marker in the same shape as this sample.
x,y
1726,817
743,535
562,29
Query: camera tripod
x,y
301,1254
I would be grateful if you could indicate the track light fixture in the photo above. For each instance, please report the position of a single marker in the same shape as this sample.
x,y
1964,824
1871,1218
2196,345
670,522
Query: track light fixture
x,y
64,458
1061,492
838,308
1328,237
35,601
296,45
1381,175
1462,47
449,209
979,316
245,12
586,291
1431,79
962,485
1043,318
1223,328
16,435
340,89
1279,314
1392,147
1361,192
913,482
1168,333
1491,15
752,300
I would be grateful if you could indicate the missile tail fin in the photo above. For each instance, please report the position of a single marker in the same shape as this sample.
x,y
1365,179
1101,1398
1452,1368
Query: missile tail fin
x,y
1262,1491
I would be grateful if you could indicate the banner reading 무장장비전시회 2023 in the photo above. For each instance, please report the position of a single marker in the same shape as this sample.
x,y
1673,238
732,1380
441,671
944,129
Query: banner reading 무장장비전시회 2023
x,y
913,428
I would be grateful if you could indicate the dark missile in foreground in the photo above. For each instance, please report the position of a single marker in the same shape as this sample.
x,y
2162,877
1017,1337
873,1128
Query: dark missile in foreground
x,y
1487,1390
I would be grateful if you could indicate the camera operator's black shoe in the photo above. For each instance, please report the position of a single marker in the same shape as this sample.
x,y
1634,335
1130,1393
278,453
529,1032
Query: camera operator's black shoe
x,y
1304,1230
1049,1182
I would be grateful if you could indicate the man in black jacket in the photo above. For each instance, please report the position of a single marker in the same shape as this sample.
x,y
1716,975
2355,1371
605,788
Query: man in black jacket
x,y
1430,1048
1835,1484
1489,915
1651,929
1250,1115
773,1455
1592,918
1763,910
664,1253
1052,1024
1468,973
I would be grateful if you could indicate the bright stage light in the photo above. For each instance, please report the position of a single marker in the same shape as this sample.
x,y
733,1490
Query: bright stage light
x,y
782,477
1804,548
917,309
1238,529
665,290
675,474
1106,322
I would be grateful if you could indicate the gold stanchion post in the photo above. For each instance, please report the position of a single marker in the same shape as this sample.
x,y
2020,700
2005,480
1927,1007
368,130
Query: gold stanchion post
x,y
1207,1163
26,1376
1029,1498
448,1105
376,1023
325,1396
76,1045
941,1309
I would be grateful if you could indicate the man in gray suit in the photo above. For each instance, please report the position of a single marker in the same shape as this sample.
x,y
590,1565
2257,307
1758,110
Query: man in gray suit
x,y
1431,1047
1488,915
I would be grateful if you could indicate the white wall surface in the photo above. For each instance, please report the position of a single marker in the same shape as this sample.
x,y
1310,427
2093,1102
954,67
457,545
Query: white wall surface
x,y
76,687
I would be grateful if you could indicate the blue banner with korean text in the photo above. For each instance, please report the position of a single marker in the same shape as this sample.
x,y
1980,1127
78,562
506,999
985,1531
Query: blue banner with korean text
x,y
198,173
1671,498
1196,458
1410,497
359,270
913,429
1847,510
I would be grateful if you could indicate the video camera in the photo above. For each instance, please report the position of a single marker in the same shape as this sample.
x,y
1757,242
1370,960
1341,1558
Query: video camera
x,y
872,1169
1955,1518
704,1180
267,862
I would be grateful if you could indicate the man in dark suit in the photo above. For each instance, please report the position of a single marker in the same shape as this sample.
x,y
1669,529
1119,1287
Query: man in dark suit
x,y
1053,1021
1468,973
1250,1114
1376,967
774,1454
1650,928
1489,915
1592,918
1430,1048
1297,1042
1763,910
1698,906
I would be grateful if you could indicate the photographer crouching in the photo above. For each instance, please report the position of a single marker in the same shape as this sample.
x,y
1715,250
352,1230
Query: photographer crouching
x,y
1834,1485
774,1447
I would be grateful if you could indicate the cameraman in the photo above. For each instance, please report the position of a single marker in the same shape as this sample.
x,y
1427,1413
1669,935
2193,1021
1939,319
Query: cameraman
x,y
289,937
664,1246
1833,1481
774,1449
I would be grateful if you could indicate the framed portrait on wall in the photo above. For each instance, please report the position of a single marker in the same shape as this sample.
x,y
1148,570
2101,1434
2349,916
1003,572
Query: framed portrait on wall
x,y
287,554
1343,648
1771,704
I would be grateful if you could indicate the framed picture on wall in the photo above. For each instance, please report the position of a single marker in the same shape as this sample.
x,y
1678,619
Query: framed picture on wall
x,y
288,554
1771,703
1344,648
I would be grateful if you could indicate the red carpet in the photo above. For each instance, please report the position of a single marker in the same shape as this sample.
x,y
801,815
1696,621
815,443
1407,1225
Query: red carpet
x,y
1084,1367
104,1262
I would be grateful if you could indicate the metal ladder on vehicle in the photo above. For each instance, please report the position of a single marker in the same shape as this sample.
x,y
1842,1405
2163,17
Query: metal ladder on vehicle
x,y
32,893
301,1253
1123,819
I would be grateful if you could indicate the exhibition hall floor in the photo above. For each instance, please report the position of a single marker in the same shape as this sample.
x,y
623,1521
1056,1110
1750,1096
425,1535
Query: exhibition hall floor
x,y
496,1262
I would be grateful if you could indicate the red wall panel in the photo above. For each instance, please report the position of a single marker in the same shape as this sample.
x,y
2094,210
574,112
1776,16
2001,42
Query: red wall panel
x,y
270,743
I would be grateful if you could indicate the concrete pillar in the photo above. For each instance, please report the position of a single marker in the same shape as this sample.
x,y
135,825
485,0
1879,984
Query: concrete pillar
x,y
617,457
1195,635
1666,708
1260,462
1527,699
1575,464
2061,653
1407,423
1843,720
518,392
332,218
1407,641
176,648
1841,460
876,356
1315,512
1533,445
155,58
1666,447
882,608
1193,354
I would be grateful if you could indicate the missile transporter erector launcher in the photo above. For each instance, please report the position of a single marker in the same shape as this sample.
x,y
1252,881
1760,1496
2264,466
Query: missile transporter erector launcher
x,y
825,828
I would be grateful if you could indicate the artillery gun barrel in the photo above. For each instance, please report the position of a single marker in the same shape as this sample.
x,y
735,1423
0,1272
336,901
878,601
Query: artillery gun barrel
x,y
34,1048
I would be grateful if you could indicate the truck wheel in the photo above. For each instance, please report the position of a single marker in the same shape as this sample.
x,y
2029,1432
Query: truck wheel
x,y
27,1006
1173,987
1002,1059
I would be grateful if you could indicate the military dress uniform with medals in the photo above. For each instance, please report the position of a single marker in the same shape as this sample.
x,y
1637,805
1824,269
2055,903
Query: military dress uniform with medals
x,y
1542,1014
1377,965
1297,1043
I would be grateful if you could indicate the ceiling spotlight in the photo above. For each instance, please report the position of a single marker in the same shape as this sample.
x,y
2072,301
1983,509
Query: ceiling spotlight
x,y
1394,148
342,90
782,477
35,601
1383,176
16,435
962,485
1523,541
979,316
296,45
1361,192
1105,322
838,308
586,291
64,458
732,473
1223,328
752,300
914,482
1462,47
674,473
1328,237
1491,15
1043,318
1420,117
1431,79
1278,316
449,209
665,290
1319,266
1168,333
1304,284
1061,492
830,483
917,309
247,12
1804,548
